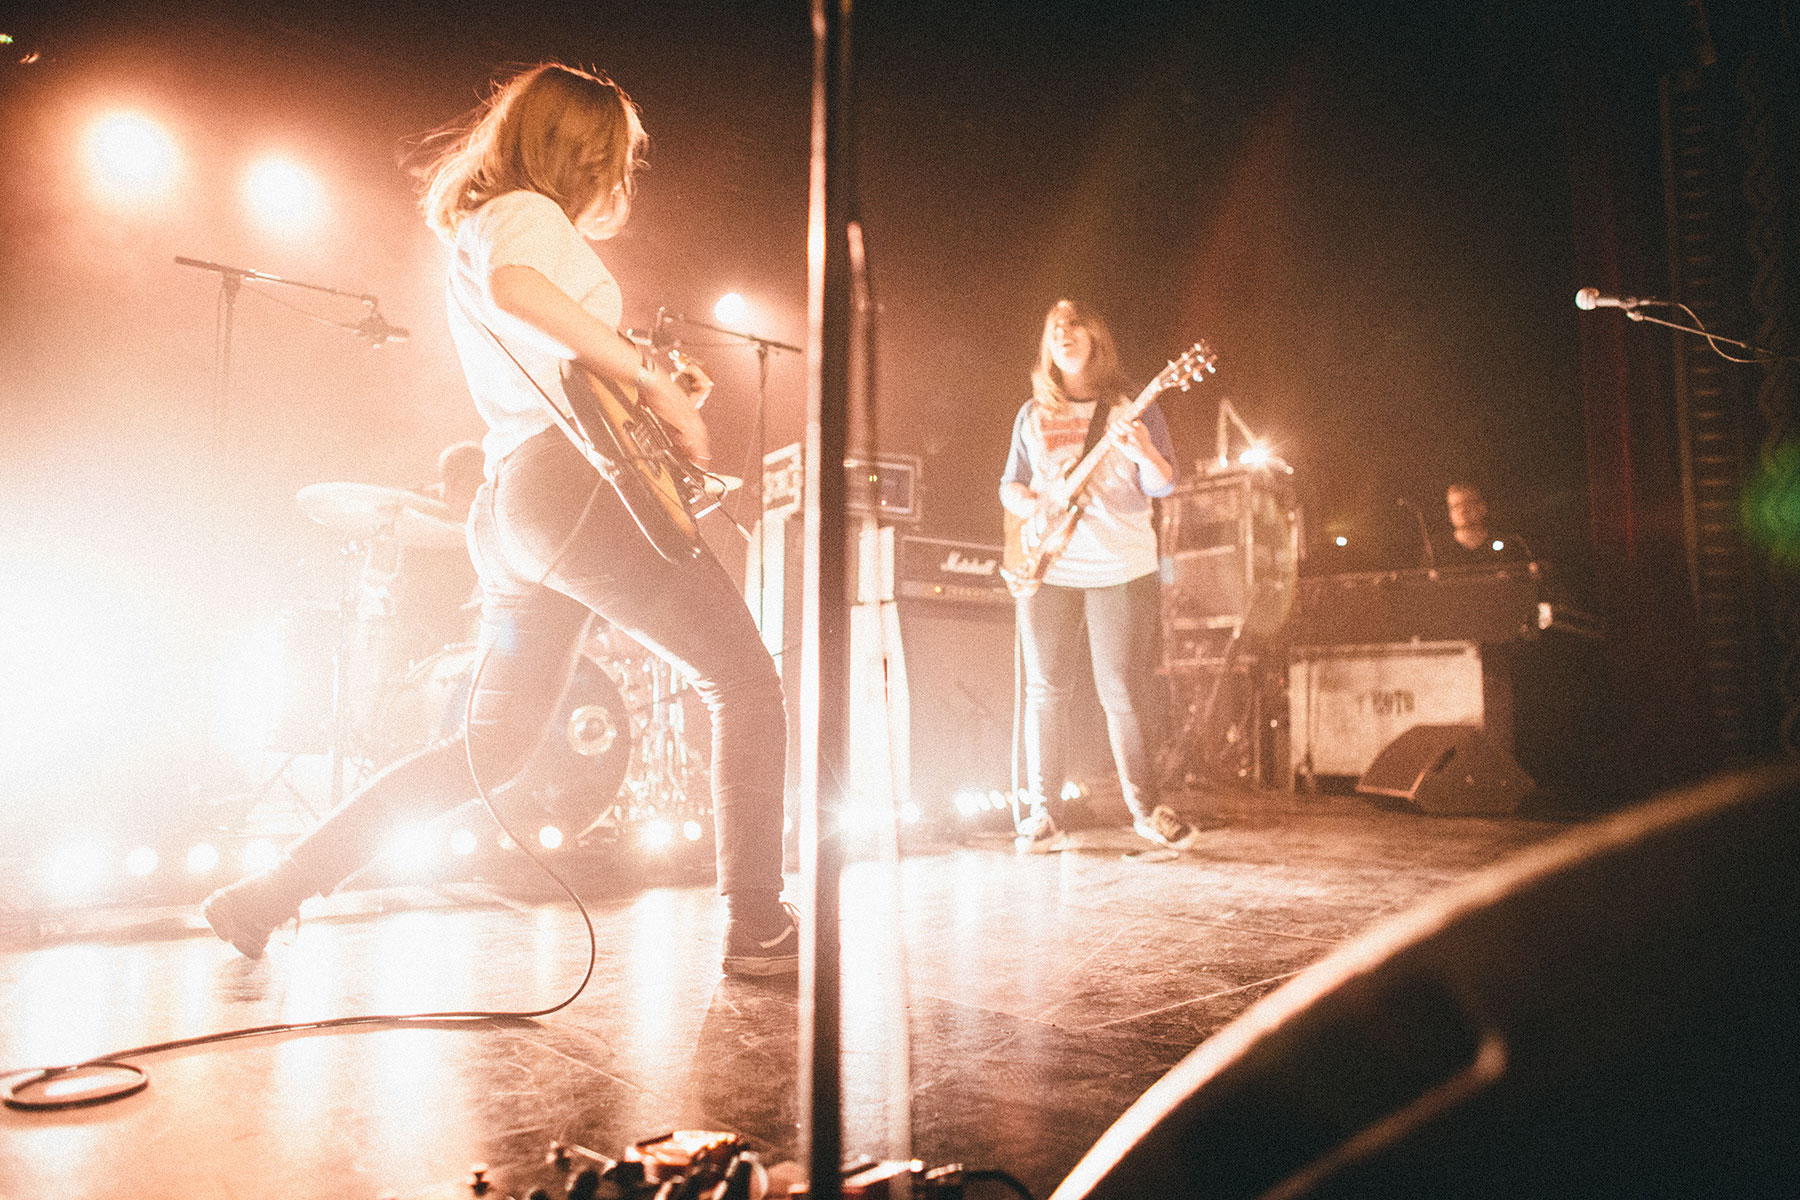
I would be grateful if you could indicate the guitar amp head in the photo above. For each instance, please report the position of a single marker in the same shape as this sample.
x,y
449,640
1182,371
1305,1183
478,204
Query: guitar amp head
x,y
895,480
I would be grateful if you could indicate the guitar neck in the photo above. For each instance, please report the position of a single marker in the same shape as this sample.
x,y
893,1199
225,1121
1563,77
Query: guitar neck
x,y
1078,478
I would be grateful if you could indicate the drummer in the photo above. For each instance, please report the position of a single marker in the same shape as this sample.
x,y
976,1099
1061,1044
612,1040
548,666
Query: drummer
x,y
433,582
417,579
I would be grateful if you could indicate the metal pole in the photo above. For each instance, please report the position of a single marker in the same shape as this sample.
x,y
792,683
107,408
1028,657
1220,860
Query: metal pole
x,y
825,655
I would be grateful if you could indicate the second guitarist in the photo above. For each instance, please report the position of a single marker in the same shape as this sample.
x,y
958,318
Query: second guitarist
x,y
1100,599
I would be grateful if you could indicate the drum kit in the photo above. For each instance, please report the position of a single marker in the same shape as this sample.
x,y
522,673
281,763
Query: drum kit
x,y
630,742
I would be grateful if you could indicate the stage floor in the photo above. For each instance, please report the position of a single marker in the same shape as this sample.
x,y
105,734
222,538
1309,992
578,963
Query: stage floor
x,y
1042,996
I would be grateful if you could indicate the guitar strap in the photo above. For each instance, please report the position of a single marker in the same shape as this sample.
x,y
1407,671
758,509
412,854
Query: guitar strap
x,y
1096,427
565,419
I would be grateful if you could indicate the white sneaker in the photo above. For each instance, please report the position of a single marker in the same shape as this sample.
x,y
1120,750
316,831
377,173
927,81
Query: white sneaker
x,y
1164,828
1038,834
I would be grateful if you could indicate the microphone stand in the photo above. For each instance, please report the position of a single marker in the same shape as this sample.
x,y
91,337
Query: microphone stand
x,y
231,280
1424,531
763,347
1764,355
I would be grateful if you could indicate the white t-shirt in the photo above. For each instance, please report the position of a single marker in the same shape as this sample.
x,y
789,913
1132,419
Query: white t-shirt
x,y
1113,543
522,229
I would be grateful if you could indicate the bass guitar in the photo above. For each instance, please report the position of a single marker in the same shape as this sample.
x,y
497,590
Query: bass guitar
x,y
637,453
1034,542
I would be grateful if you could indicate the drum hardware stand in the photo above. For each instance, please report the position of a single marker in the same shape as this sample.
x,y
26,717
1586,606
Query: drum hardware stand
x,y
1180,752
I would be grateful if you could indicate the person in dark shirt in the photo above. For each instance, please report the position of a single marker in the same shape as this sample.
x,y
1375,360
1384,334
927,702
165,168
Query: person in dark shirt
x,y
1472,543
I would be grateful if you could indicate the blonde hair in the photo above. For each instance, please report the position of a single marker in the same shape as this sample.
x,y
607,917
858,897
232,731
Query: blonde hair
x,y
1103,367
565,133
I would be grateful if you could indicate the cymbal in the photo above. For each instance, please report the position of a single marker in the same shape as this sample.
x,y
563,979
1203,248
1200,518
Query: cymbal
x,y
367,509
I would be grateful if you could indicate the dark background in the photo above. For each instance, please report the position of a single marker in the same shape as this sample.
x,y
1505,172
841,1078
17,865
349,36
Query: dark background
x,y
1364,209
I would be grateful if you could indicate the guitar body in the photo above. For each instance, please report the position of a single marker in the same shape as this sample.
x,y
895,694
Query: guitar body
x,y
1033,543
630,447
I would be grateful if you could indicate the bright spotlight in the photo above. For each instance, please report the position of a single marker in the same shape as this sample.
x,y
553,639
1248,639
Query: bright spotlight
x,y
462,842
141,862
969,804
284,195
691,830
910,813
413,848
550,837
76,868
1499,545
658,833
1340,540
131,156
260,855
202,857
730,309
1257,455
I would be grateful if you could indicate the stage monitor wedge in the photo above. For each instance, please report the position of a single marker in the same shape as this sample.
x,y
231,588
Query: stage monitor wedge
x,y
1615,1013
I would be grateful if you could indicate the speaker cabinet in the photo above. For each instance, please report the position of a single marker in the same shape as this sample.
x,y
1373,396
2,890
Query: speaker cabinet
x,y
1450,770
1615,1013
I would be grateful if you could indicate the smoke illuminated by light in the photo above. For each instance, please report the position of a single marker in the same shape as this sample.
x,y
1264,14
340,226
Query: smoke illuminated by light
x,y
260,855
284,195
132,157
76,868
414,848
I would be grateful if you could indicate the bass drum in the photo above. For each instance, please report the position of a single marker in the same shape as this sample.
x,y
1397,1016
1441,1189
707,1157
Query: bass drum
x,y
574,776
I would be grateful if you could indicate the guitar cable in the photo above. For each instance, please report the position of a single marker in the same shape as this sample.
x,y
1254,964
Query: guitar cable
x,y
109,1077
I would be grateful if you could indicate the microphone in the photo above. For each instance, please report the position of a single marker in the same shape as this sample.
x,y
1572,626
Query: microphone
x,y
1424,531
377,330
1588,299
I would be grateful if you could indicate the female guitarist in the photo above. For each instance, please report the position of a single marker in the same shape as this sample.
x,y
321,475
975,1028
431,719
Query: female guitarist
x,y
519,193
1102,589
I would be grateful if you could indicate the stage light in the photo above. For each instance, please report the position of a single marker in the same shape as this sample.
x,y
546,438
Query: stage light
x,y
284,195
142,862
1499,545
910,813
75,868
1255,455
131,156
691,830
969,804
462,842
658,833
1340,540
260,855
202,857
730,310
550,837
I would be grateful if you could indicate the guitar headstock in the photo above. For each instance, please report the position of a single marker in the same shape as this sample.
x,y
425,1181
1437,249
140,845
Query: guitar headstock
x,y
1189,368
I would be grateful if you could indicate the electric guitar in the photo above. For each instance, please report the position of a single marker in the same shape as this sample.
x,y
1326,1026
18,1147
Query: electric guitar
x,y
637,453
1034,542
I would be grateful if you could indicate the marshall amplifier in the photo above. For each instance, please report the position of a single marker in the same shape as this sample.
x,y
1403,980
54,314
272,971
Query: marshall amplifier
x,y
935,569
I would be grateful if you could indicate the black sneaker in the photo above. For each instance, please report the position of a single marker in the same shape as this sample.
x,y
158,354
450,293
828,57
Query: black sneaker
x,y
777,953
247,912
